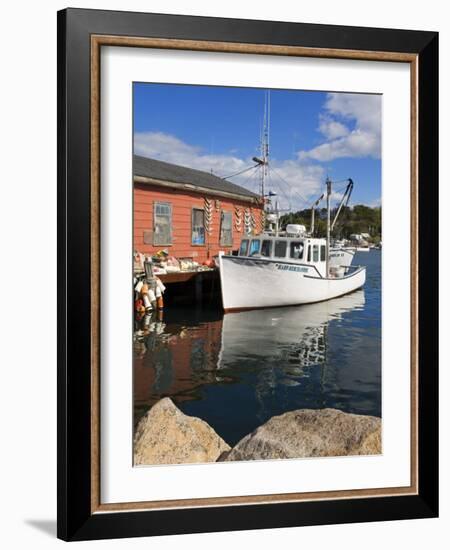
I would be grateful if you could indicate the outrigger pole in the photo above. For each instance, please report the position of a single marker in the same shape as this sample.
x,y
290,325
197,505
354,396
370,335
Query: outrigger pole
x,y
345,198
330,225
313,212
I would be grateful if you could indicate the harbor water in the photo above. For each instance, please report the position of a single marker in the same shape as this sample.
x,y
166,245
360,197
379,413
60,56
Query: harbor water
x,y
236,371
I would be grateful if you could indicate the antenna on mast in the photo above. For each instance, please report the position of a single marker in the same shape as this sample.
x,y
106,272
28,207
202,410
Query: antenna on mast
x,y
264,146
263,159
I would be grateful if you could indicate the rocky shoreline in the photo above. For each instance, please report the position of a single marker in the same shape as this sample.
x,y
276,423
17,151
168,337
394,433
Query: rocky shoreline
x,y
167,436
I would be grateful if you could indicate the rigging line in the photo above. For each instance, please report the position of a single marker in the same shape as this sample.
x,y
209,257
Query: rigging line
x,y
293,188
257,180
286,196
252,174
340,189
249,180
240,172
340,181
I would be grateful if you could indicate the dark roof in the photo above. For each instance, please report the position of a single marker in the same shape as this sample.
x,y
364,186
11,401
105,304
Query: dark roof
x,y
157,169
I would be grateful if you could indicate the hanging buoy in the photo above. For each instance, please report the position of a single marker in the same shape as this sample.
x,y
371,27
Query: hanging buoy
x,y
148,296
139,306
160,285
160,303
147,303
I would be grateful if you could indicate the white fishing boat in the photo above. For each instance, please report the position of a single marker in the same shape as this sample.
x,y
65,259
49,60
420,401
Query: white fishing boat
x,y
293,267
287,268
273,271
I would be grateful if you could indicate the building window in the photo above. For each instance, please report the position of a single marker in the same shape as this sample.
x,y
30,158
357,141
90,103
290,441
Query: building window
x,y
198,226
280,249
226,224
162,224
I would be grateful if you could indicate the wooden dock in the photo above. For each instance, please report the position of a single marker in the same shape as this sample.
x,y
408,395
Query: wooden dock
x,y
191,287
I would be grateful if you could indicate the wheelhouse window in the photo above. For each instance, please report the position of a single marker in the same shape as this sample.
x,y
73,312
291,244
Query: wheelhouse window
x,y
162,223
323,252
243,248
266,248
315,252
296,250
226,232
198,226
254,247
280,249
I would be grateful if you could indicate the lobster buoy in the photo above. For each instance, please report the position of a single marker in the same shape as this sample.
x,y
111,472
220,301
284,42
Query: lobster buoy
x,y
139,306
209,263
160,286
147,302
160,302
148,296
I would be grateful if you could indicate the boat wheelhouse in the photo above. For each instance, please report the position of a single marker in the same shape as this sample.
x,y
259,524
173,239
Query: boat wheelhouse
x,y
307,252
302,250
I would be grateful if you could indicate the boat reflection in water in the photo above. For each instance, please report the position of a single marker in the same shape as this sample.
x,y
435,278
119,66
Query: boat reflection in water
x,y
296,335
237,370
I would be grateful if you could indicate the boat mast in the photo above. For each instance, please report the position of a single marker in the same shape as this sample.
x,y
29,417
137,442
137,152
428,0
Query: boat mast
x,y
264,147
263,159
328,225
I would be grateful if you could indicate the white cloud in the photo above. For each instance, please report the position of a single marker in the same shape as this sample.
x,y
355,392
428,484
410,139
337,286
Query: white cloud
x,y
297,183
331,128
159,145
351,125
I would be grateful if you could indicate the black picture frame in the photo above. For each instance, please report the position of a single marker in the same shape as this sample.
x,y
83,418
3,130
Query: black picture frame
x,y
75,518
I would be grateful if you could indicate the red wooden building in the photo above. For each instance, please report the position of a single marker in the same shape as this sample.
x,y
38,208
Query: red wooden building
x,y
192,214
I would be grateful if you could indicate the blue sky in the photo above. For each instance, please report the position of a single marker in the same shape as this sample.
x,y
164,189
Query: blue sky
x,y
312,134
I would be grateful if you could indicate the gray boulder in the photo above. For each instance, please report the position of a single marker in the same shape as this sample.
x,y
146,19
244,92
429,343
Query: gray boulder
x,y
167,436
310,433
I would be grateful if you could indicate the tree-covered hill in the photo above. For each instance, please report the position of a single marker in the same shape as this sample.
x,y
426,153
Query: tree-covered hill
x,y
357,219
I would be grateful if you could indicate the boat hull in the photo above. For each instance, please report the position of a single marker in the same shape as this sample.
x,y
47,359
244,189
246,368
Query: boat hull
x,y
248,283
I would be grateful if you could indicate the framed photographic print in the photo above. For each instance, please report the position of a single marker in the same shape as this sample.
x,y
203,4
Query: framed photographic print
x,y
247,274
